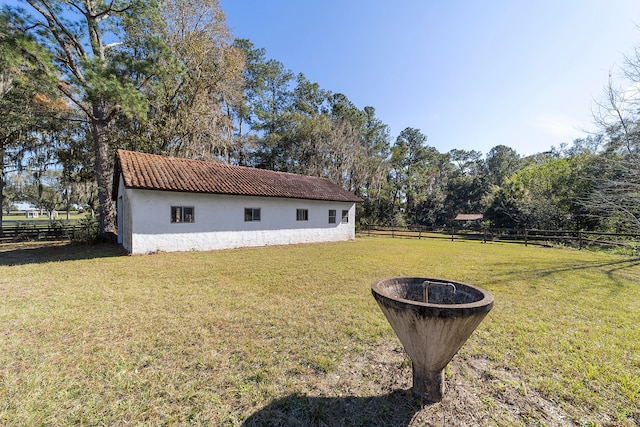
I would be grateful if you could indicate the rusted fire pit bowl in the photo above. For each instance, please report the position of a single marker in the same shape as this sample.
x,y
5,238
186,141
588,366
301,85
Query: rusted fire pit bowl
x,y
433,318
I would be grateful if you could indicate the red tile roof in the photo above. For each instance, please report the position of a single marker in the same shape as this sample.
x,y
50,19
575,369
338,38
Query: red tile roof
x,y
153,172
468,217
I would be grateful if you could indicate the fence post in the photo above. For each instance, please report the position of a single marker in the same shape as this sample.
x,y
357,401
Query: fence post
x,y
525,236
580,240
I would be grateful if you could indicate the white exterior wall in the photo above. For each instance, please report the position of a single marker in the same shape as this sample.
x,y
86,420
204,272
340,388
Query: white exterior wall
x,y
145,217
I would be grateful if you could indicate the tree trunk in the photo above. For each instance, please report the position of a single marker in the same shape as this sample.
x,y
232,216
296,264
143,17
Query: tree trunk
x,y
2,152
106,214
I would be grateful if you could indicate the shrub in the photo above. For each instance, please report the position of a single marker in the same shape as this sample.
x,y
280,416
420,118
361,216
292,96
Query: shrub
x,y
87,231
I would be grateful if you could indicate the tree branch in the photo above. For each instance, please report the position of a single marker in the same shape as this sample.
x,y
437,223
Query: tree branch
x,y
63,88
65,43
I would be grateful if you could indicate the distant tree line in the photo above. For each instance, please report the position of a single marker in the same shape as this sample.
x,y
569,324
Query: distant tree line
x,y
78,80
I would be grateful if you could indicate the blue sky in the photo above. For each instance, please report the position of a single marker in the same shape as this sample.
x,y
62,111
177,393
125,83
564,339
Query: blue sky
x,y
468,74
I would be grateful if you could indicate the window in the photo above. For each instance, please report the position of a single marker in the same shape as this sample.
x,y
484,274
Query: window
x,y
252,214
332,216
182,214
345,215
302,214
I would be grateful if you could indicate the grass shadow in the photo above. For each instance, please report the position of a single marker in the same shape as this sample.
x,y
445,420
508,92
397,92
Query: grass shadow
x,y
395,409
41,252
610,268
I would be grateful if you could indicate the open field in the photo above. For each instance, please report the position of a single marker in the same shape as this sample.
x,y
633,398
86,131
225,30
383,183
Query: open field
x,y
62,216
288,336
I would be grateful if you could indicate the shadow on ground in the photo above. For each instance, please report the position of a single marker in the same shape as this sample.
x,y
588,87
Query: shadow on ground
x,y
41,252
395,409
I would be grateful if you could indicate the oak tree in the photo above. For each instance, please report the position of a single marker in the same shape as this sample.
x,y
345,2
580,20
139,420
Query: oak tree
x,y
31,109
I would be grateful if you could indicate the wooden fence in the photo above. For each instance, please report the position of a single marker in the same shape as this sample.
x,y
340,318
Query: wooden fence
x,y
578,239
13,231
63,230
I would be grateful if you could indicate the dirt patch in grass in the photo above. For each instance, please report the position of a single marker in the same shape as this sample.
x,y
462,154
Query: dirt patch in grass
x,y
375,390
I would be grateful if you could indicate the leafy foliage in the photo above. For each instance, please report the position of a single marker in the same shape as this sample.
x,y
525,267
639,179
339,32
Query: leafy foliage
x,y
169,78
31,108
88,230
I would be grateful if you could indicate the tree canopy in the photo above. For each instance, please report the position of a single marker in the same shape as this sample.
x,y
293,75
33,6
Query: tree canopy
x,y
80,79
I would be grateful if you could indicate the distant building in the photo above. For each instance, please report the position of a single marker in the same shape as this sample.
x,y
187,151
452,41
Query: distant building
x,y
172,204
468,217
24,206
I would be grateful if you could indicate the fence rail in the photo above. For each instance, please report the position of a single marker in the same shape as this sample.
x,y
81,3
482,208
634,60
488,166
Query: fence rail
x,y
578,239
13,230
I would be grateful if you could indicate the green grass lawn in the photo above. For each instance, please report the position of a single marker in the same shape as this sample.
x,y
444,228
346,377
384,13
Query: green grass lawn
x,y
62,216
292,336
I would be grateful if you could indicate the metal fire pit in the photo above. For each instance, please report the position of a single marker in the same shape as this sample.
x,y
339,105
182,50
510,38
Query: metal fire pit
x,y
433,318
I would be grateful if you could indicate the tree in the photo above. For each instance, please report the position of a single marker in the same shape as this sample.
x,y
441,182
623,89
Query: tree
x,y
372,165
272,103
545,194
466,186
95,46
198,81
506,208
613,198
31,110
10,195
305,130
615,195
268,96
501,162
43,192
244,111
296,126
415,177
370,175
77,180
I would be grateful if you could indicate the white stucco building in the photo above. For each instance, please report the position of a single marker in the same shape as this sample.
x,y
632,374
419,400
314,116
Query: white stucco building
x,y
173,204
